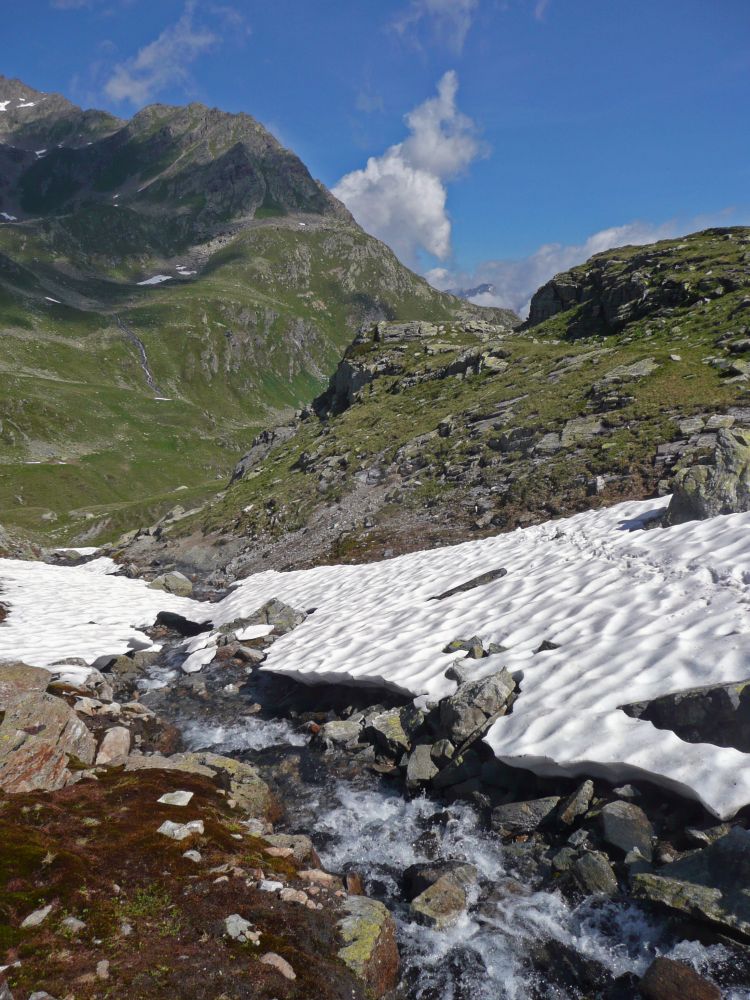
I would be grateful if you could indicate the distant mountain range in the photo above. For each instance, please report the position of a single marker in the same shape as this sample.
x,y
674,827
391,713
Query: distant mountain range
x,y
470,293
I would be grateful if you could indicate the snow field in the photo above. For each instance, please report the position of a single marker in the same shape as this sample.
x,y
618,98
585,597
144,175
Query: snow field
x,y
635,615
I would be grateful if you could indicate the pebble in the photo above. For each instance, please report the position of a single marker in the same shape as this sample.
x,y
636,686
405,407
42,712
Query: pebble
x,y
180,831
37,917
279,963
73,925
268,885
195,856
102,969
178,798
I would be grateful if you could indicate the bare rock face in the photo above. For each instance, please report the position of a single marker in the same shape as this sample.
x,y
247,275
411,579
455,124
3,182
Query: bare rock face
x,y
40,739
18,678
721,487
370,950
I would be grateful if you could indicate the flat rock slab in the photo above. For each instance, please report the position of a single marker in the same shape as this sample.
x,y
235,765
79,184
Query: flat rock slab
x,y
713,884
627,827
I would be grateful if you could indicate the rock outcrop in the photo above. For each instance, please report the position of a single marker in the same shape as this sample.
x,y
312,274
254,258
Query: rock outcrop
x,y
721,486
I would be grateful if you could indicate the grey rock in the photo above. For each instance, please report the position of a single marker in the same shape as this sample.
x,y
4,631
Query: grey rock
x,y
523,817
467,714
340,732
173,583
421,768
721,487
18,678
393,731
712,884
37,918
478,581
73,925
115,745
181,831
440,892
576,804
593,874
717,714
627,827
239,929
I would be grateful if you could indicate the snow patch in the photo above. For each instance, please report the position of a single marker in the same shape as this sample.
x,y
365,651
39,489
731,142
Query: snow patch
x,y
4,105
156,280
636,614
85,611
50,299
9,218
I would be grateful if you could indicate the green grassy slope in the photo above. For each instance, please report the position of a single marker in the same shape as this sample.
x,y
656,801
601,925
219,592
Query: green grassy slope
x,y
554,420
269,280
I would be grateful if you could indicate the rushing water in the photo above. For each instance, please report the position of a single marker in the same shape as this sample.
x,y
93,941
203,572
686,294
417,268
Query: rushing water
x,y
517,941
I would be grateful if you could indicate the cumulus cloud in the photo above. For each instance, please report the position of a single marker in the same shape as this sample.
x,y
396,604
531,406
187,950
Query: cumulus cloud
x,y
165,62
400,196
515,281
449,20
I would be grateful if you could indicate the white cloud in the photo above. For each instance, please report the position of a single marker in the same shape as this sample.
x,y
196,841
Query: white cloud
x,y
164,62
515,281
540,9
400,196
449,20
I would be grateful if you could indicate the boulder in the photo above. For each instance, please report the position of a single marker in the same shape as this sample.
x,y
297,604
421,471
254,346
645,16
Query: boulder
x,y
666,979
441,904
18,678
40,738
115,745
276,613
340,732
173,583
712,884
576,804
280,964
468,713
393,731
627,827
523,817
421,768
720,487
419,877
718,714
368,931
593,874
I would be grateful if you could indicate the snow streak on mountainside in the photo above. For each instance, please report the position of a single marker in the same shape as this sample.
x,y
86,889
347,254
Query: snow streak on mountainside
x,y
633,615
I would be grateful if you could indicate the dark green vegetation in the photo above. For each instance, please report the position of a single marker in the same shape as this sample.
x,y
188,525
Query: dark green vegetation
x,y
269,280
157,918
431,433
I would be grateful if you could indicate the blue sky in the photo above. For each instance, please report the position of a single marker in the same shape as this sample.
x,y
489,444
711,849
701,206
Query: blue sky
x,y
486,140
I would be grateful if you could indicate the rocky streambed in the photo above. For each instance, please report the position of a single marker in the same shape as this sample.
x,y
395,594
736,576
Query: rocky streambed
x,y
232,833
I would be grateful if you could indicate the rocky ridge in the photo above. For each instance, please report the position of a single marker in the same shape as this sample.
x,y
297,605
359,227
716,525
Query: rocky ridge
x,y
432,433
